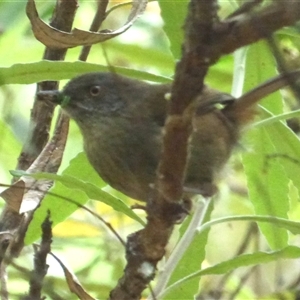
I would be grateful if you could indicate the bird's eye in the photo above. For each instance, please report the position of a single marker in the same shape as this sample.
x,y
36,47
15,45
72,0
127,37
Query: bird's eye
x,y
95,90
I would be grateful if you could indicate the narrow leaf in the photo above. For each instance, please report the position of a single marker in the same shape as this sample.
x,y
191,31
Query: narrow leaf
x,y
78,182
290,252
266,179
57,70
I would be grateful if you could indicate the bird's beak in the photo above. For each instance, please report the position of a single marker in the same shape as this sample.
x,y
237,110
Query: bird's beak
x,y
55,97
49,96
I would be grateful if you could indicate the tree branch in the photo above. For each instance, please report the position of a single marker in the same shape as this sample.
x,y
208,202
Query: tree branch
x,y
206,40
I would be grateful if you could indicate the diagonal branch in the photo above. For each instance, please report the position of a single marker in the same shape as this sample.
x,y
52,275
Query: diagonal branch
x,y
206,40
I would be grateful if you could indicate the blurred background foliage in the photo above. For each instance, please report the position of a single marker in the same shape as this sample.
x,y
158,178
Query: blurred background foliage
x,y
86,245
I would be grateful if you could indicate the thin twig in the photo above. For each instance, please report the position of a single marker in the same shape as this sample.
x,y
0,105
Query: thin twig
x,y
41,113
97,21
40,264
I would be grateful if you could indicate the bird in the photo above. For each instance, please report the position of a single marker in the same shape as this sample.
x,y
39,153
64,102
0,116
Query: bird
x,y
122,119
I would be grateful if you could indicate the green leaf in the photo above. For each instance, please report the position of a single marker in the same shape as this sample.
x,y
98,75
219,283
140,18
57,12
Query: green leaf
x,y
220,75
9,147
290,252
292,226
260,67
287,150
161,59
57,70
174,14
268,186
92,191
266,179
83,184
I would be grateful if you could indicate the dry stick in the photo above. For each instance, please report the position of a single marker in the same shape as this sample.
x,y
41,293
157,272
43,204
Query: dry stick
x,y
40,264
41,113
41,116
52,152
62,20
5,237
47,162
3,277
48,288
97,21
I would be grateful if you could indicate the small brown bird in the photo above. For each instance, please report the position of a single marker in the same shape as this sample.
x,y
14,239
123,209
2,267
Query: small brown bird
x,y
121,121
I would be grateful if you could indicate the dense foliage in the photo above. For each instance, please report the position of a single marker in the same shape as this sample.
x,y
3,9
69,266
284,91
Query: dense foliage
x,y
246,246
